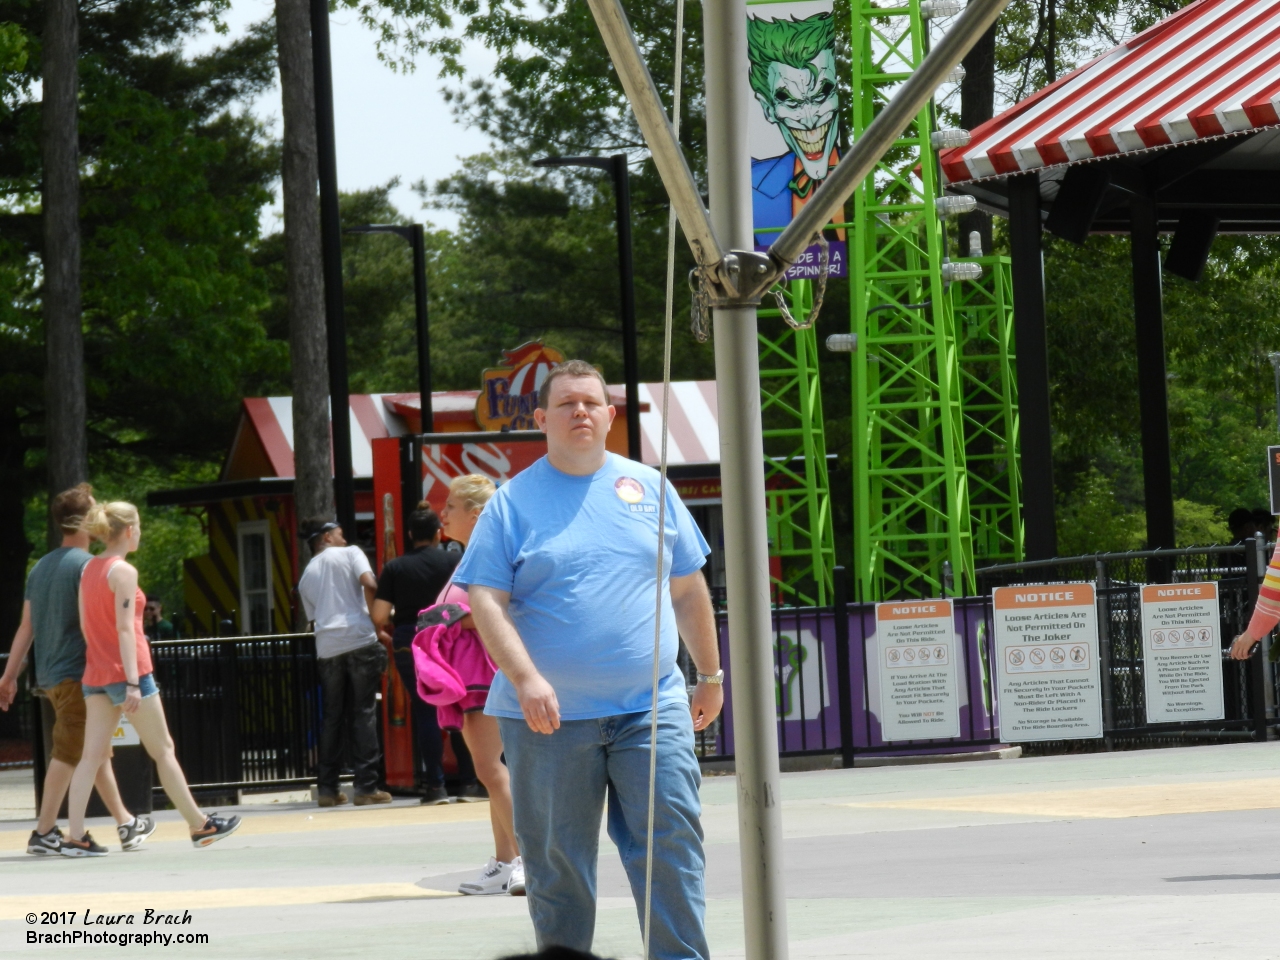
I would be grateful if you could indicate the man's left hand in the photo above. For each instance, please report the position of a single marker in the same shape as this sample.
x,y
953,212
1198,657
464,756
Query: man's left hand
x,y
708,701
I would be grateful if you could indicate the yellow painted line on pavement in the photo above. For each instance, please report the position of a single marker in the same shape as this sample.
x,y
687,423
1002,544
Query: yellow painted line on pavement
x,y
170,901
1146,800
298,821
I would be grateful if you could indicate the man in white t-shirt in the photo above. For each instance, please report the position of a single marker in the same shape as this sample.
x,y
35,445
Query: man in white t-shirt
x,y
337,590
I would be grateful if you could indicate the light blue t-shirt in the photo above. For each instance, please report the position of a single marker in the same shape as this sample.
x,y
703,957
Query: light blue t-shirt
x,y
579,557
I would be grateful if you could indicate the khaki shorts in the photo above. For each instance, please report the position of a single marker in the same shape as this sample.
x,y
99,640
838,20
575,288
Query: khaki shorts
x,y
68,725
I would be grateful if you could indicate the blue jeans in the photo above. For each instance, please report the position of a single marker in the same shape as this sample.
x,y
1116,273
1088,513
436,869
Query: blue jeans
x,y
559,784
116,691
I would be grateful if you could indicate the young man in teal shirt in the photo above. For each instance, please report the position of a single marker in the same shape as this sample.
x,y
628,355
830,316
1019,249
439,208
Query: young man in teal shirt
x,y
51,625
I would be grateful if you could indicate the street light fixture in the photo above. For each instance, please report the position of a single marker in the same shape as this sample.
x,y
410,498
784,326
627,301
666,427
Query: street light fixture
x,y
413,235
617,166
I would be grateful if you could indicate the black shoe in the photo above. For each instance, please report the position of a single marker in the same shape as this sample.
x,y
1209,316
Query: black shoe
x,y
472,792
214,829
45,844
86,846
132,834
433,796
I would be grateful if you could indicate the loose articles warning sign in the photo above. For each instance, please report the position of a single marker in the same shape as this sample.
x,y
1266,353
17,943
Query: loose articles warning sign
x,y
1049,686
1182,652
919,698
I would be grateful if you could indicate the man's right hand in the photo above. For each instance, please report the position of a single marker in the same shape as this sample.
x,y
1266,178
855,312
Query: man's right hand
x,y
8,692
539,704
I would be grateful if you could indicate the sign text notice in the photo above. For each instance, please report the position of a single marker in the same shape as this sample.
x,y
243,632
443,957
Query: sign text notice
x,y
1182,652
1047,662
919,699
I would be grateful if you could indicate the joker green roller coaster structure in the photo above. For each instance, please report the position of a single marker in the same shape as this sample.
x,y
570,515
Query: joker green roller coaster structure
x,y
935,460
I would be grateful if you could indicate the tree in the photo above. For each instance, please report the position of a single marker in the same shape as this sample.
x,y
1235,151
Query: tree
x,y
172,183
67,447
308,352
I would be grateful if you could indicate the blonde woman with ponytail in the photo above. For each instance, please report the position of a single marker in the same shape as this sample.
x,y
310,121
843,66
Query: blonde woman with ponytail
x,y
118,676
504,873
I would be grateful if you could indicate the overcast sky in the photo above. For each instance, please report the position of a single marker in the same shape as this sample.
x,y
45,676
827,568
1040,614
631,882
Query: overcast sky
x,y
388,124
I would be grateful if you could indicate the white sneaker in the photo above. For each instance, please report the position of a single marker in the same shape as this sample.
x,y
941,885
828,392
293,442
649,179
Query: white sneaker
x,y
492,880
515,885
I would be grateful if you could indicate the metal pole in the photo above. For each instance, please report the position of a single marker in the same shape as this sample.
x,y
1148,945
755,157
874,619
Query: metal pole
x,y
419,244
627,280
1255,567
742,478
844,682
331,249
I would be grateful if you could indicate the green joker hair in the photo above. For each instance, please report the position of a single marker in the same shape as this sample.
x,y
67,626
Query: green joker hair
x,y
793,42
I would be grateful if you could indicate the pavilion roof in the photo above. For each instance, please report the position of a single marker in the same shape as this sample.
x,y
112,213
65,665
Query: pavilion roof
x,y
1211,70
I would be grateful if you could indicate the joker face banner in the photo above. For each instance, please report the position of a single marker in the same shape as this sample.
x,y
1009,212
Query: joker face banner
x,y
793,131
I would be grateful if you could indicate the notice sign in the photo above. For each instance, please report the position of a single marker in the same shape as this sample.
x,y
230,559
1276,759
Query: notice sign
x,y
1182,652
1049,684
919,699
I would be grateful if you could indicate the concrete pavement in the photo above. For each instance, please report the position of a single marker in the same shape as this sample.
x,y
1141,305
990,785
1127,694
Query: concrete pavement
x,y
1169,853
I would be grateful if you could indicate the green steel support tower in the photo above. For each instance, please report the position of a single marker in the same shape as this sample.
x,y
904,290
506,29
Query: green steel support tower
x,y
911,487
798,492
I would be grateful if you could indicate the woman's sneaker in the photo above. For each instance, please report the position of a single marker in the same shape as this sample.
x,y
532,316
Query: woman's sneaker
x,y
86,846
45,844
214,829
132,834
515,885
491,882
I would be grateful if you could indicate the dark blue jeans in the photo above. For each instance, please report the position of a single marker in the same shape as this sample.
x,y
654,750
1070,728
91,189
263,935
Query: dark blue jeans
x,y
351,680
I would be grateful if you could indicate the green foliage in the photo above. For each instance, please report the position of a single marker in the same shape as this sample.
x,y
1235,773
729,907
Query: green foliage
x,y
174,176
1093,520
1197,523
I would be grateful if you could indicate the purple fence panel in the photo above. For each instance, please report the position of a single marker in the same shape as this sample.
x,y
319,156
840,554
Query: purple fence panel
x,y
807,691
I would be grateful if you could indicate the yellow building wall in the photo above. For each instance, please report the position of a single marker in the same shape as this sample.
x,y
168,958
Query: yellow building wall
x,y
211,583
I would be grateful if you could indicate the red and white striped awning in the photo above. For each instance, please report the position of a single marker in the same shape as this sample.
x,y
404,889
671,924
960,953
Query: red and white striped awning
x,y
694,431
1209,70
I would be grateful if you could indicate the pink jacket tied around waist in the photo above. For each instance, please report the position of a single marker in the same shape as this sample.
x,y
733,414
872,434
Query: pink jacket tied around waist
x,y
454,670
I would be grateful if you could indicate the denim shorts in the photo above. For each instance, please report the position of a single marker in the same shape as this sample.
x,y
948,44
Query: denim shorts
x,y
116,691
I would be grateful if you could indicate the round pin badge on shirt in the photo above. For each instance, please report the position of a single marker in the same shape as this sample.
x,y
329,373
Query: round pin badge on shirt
x,y
628,490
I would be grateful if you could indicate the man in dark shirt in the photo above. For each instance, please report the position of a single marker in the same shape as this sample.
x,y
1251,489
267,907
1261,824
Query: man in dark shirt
x,y
406,586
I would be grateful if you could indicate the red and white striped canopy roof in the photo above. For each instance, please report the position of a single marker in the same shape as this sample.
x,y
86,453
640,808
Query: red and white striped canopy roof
x,y
693,437
1209,70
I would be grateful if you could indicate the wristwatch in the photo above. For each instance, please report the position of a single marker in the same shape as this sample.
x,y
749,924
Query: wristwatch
x,y
717,677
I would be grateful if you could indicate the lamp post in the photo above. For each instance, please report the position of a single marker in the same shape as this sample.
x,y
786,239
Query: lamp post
x,y
344,494
617,166
413,235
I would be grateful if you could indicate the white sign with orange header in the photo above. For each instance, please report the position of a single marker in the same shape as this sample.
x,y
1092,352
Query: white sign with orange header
x,y
1182,652
1049,686
919,699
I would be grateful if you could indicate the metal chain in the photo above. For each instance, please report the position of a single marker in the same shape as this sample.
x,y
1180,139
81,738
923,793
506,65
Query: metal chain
x,y
699,306
820,290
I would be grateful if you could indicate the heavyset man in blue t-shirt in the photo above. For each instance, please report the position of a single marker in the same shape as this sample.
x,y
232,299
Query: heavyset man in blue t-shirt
x,y
561,573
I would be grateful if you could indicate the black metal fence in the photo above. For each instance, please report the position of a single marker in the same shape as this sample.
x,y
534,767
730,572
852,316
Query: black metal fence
x,y
1250,688
826,670
244,712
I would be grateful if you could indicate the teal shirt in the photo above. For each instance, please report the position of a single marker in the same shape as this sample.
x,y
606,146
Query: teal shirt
x,y
53,589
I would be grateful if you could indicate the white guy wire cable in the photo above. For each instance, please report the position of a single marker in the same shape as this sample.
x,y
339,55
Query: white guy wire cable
x,y
662,490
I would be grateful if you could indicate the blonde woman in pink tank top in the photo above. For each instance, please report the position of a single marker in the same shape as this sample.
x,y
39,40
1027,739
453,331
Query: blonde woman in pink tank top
x,y
118,676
